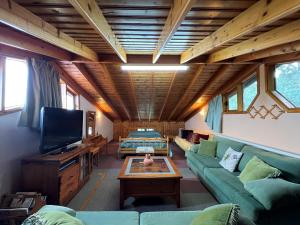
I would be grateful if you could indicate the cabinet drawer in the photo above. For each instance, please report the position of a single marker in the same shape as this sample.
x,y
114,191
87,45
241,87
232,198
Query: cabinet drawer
x,y
69,173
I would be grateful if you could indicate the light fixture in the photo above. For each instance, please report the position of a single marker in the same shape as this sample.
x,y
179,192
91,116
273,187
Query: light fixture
x,y
150,67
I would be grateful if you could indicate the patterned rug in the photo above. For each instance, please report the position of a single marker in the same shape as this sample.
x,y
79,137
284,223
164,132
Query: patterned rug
x,y
102,190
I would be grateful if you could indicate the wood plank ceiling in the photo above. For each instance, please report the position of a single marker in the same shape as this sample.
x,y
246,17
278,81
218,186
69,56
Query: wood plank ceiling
x,y
137,26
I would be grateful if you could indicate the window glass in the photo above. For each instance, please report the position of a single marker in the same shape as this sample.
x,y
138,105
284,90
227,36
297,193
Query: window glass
x,y
249,92
70,101
232,101
287,81
16,72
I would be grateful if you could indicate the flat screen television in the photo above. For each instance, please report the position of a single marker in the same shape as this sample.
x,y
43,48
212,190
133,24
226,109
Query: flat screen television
x,y
59,128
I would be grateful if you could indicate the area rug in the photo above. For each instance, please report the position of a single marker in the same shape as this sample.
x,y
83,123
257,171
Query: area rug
x,y
102,190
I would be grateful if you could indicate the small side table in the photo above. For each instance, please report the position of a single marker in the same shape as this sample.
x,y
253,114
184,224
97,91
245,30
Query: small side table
x,y
15,216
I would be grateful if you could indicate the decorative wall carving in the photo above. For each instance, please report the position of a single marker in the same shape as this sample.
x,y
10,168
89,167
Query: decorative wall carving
x,y
275,112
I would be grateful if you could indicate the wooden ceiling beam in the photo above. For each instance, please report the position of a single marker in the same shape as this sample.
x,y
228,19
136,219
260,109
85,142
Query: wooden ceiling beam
x,y
113,85
73,84
258,15
278,36
90,10
176,15
22,41
231,83
167,96
218,74
90,78
20,18
284,49
133,93
190,85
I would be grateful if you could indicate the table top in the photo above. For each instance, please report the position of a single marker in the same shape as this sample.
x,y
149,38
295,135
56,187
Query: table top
x,y
162,167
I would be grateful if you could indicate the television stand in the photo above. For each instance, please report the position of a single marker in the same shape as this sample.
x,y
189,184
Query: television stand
x,y
58,176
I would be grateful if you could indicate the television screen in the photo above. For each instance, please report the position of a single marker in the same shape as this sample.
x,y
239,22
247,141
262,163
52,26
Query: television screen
x,y
59,128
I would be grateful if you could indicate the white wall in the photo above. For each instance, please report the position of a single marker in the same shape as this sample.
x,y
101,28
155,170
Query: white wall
x,y
103,125
15,143
282,133
197,123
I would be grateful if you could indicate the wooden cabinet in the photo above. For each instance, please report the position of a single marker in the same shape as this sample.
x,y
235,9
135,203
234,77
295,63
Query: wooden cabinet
x,y
59,177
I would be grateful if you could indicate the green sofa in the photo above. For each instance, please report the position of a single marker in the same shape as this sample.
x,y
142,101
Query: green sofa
x,y
227,188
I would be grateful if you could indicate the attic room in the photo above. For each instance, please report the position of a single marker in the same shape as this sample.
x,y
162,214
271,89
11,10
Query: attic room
x,y
158,112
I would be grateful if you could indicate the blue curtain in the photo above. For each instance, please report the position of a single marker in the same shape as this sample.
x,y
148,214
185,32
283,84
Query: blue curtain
x,y
214,114
43,89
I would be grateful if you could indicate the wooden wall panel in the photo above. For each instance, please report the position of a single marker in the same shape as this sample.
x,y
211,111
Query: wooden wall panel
x,y
165,128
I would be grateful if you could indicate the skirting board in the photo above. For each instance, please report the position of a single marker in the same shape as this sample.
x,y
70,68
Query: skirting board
x,y
267,148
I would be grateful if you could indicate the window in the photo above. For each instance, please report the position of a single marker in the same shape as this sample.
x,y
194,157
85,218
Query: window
x,y
249,92
242,95
285,83
141,129
13,82
70,99
232,102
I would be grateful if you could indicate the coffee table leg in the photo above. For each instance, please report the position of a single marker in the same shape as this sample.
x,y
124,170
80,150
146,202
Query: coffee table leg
x,y
121,195
178,193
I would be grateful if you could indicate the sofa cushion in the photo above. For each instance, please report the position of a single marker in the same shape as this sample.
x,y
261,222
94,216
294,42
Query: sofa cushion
x,y
224,214
52,218
108,217
183,143
230,159
289,166
227,184
195,148
257,169
177,218
207,148
223,144
202,161
274,193
67,210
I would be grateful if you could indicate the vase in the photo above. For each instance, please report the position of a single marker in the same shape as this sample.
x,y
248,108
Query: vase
x,y
148,161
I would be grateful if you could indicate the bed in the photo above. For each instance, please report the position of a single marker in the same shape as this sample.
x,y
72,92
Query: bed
x,y
136,140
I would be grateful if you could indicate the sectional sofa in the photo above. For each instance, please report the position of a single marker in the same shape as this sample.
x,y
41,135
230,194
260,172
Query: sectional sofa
x,y
226,186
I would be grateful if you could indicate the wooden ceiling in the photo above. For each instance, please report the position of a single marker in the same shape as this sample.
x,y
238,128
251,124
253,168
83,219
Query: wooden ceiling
x,y
89,40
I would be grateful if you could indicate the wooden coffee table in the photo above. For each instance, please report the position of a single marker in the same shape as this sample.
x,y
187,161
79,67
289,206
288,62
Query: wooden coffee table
x,y
162,178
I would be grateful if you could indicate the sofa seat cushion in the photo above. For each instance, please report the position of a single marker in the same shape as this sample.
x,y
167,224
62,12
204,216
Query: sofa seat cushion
x,y
203,161
168,218
108,218
177,218
228,184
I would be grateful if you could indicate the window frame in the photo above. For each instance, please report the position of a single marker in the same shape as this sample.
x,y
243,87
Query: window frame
x,y
4,111
271,89
227,96
238,88
69,89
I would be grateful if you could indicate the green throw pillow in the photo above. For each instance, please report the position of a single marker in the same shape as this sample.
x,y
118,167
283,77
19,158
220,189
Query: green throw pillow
x,y
195,148
48,208
257,169
224,214
207,148
274,193
52,218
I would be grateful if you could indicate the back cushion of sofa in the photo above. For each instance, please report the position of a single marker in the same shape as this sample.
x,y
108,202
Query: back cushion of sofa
x,y
224,144
289,166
